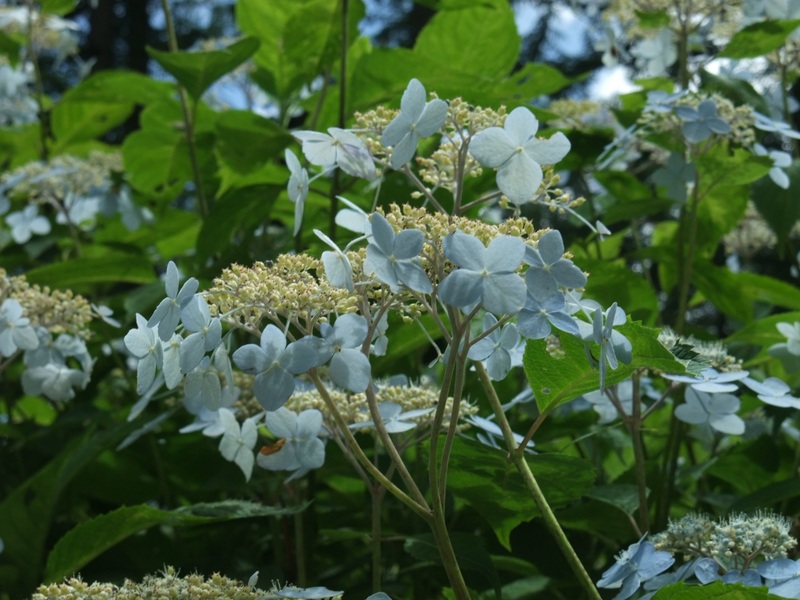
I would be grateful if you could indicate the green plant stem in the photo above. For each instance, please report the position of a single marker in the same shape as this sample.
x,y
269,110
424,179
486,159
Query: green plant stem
x,y
44,118
518,457
421,508
635,429
668,472
687,228
189,116
301,576
377,493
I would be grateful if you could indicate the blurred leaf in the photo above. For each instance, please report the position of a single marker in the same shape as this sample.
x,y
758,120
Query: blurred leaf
x,y
246,141
157,162
558,380
120,87
778,206
113,267
488,481
58,7
716,591
763,332
735,89
623,496
297,39
75,121
91,538
493,46
198,71
759,39
474,560
653,19
29,509
615,282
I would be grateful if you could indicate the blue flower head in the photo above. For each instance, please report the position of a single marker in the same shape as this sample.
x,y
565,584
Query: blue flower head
x,y
487,274
639,563
517,154
394,258
417,119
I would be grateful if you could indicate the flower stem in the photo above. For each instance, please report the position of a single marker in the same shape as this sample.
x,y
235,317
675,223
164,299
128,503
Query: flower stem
x,y
550,520
189,116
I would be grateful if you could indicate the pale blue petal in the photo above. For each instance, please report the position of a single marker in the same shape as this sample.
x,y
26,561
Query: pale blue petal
x,y
432,118
504,293
414,277
350,369
404,150
395,131
273,342
251,359
192,351
504,254
548,152
318,148
521,125
350,330
551,247
273,388
492,147
311,454
309,424
382,234
171,280
465,250
408,243
498,365
533,325
413,101
730,424
519,178
282,423
299,357
567,274
461,288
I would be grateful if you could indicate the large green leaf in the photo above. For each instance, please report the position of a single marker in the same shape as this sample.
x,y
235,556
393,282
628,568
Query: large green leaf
x,y
715,591
297,39
736,293
558,380
472,557
779,206
763,332
488,481
91,538
615,282
28,511
76,121
246,141
759,38
493,46
198,71
120,87
157,162
112,267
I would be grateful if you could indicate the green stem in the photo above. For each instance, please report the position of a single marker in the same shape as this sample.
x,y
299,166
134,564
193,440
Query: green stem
x,y
301,577
420,508
635,428
377,493
189,116
688,221
669,468
550,520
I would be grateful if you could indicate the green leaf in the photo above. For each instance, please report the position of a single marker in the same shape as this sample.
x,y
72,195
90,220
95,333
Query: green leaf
x,y
198,71
75,121
735,293
112,267
472,557
493,46
615,282
763,332
246,141
653,19
778,206
157,162
58,7
93,537
297,39
759,39
29,509
623,496
716,591
558,380
120,87
735,89
489,482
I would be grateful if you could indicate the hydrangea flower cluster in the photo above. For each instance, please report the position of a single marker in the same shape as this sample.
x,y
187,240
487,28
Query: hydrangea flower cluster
x,y
320,320
75,190
49,330
739,548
